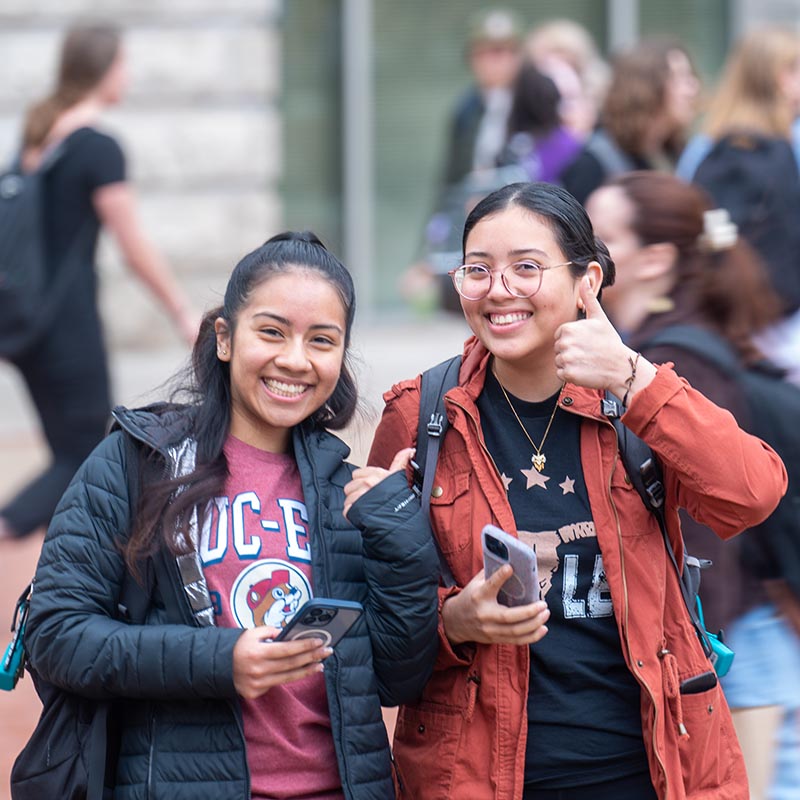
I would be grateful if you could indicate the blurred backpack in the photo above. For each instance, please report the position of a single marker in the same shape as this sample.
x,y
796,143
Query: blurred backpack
x,y
772,548
756,179
28,299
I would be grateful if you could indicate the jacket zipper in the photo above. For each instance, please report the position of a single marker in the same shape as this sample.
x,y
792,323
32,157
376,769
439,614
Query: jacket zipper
x,y
150,765
319,541
641,681
397,773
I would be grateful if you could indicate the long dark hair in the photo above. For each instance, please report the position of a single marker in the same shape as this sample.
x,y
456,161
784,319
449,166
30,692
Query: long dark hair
x,y
558,209
86,55
166,505
729,287
534,108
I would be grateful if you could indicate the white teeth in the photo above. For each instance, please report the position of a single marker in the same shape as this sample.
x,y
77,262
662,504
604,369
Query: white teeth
x,y
507,319
287,389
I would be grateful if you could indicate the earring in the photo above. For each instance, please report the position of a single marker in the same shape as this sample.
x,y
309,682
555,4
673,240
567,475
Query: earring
x,y
222,352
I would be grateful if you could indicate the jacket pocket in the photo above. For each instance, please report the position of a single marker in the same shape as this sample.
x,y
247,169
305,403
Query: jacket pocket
x,y
426,742
706,753
451,511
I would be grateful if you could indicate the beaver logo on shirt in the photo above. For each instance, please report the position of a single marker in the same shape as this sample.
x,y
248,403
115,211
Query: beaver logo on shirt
x,y
273,601
268,592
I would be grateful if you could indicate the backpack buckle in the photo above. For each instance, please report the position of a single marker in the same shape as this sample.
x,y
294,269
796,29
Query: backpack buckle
x,y
434,427
652,485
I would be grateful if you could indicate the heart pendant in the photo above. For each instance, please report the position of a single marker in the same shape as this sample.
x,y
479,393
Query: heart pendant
x,y
538,460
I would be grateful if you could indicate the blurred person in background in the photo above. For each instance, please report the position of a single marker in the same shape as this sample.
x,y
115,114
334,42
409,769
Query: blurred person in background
x,y
537,139
565,51
477,133
479,121
66,367
747,158
645,117
674,268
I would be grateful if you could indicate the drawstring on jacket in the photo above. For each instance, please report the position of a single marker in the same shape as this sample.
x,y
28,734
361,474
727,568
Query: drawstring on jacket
x,y
672,689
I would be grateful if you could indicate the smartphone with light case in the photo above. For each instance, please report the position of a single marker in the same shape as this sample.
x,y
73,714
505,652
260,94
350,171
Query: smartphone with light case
x,y
500,548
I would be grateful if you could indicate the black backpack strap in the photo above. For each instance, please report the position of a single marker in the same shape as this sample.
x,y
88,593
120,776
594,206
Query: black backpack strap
x,y
431,427
646,475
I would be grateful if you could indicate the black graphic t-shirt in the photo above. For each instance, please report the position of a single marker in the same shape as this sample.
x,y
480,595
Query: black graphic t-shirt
x,y
584,719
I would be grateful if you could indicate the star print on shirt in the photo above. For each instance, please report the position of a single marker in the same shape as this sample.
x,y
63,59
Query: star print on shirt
x,y
506,481
535,478
568,486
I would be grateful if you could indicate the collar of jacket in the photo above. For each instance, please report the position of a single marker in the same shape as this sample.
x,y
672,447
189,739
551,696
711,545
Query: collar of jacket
x,y
472,376
159,425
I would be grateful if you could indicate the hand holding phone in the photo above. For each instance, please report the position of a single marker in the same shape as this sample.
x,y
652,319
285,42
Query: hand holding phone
x,y
322,618
500,548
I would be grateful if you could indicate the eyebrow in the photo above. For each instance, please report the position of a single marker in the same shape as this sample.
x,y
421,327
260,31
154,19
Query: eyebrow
x,y
288,324
519,252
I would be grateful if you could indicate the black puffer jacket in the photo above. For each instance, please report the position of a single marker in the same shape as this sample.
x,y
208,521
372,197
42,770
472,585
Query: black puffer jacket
x,y
181,721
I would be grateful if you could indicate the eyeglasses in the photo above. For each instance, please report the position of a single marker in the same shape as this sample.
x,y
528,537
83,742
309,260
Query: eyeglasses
x,y
521,279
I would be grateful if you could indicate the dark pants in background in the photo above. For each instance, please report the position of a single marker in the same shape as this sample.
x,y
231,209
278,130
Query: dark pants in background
x,y
66,374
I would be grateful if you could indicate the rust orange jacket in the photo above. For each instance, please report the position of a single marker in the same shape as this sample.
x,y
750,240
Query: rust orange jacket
x,y
466,736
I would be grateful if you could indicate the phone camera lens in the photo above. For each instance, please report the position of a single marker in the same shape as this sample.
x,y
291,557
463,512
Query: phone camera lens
x,y
497,547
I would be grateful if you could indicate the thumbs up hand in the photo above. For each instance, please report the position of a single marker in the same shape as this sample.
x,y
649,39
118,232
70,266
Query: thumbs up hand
x,y
589,352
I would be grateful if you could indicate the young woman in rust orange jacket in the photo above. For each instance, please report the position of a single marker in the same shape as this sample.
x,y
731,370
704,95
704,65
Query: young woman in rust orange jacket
x,y
588,692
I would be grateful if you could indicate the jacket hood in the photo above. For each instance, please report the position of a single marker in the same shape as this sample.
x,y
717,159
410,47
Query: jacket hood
x,y
158,425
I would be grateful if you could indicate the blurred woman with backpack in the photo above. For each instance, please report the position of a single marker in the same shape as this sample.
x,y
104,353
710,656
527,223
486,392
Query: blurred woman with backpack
x,y
65,367
680,263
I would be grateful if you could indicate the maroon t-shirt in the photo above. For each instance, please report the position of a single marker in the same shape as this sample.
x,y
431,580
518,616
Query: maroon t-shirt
x,y
256,554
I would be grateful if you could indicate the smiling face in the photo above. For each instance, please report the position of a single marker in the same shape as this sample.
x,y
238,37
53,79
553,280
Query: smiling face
x,y
285,355
519,331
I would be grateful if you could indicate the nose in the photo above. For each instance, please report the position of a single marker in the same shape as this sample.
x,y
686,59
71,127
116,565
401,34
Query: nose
x,y
293,356
498,290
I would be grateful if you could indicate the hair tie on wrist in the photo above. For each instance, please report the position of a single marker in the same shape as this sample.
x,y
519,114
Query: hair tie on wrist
x,y
634,362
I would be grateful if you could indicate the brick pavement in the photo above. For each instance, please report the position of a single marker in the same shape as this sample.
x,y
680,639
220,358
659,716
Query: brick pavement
x,y
383,355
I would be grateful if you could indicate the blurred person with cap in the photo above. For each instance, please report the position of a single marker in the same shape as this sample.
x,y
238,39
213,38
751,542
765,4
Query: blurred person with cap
x,y
476,136
477,130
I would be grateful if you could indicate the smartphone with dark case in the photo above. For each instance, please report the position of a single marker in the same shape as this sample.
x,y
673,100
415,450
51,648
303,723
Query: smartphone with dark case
x,y
322,618
500,548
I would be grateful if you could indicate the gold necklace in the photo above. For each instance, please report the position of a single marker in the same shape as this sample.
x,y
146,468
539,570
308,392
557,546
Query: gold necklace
x,y
538,458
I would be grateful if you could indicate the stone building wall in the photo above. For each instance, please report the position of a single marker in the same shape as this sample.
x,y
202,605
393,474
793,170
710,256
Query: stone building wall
x,y
200,125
